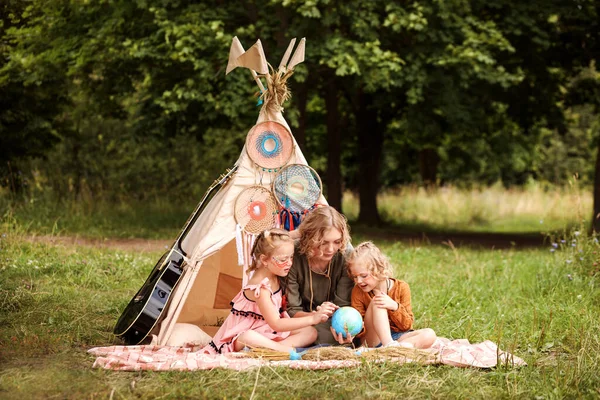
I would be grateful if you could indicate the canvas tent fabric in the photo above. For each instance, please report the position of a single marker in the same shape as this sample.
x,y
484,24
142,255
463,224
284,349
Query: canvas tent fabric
x,y
212,276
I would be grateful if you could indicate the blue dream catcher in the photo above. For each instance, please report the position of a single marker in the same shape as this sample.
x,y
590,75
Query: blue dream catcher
x,y
297,188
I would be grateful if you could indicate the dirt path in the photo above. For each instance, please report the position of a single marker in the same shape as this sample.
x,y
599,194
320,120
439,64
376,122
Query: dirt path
x,y
458,239
482,240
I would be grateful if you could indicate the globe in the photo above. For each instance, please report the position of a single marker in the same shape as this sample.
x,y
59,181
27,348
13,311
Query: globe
x,y
347,318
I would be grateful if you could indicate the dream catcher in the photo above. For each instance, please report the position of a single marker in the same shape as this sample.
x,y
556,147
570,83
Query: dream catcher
x,y
297,188
255,211
269,145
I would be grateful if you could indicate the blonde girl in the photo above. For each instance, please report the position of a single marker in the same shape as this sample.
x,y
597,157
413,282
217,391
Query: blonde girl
x,y
257,318
383,302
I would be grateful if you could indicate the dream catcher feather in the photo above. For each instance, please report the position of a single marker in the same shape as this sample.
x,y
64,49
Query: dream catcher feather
x,y
255,211
269,144
297,188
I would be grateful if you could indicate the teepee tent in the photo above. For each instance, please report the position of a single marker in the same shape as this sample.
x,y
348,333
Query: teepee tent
x,y
212,275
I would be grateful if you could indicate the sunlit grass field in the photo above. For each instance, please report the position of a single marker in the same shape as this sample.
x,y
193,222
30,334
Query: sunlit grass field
x,y
534,208
541,304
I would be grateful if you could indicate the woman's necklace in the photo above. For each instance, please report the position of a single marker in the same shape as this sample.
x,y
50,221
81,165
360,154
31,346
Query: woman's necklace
x,y
324,272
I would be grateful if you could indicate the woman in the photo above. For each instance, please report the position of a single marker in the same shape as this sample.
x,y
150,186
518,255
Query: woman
x,y
318,280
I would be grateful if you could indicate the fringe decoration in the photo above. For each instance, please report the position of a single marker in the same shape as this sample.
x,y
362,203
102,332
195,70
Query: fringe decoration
x,y
243,313
250,238
247,244
291,220
239,246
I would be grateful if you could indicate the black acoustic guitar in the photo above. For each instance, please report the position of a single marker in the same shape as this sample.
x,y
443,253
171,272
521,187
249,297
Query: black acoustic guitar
x,y
146,308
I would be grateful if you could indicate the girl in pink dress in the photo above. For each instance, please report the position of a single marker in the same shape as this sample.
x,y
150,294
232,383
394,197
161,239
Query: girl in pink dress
x,y
257,317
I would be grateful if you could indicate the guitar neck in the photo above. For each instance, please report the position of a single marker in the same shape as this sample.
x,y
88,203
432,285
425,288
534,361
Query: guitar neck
x,y
216,185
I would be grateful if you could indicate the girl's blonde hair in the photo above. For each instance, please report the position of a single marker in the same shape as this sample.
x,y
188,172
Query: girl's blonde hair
x,y
266,242
315,224
372,259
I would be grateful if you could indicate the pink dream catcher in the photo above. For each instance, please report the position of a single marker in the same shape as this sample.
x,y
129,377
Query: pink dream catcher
x,y
255,211
269,145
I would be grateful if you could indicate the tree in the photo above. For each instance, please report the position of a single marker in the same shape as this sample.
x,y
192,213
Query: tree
x,y
33,94
585,90
347,61
389,92
158,69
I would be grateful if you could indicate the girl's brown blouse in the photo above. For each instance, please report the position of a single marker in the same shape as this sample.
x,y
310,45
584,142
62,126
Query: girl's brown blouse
x,y
402,319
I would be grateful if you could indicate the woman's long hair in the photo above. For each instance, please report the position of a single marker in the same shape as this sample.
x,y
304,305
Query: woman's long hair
x,y
315,224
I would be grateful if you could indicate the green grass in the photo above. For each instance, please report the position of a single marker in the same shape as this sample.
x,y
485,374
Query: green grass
x,y
149,220
408,209
56,302
486,209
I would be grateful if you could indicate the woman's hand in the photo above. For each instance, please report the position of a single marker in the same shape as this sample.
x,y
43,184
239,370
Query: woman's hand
x,y
382,300
327,308
340,338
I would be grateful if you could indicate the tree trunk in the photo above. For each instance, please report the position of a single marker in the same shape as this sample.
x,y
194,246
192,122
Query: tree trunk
x,y
282,41
596,216
370,146
333,177
428,165
78,176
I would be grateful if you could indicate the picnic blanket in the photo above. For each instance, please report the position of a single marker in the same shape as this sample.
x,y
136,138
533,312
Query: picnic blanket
x,y
459,353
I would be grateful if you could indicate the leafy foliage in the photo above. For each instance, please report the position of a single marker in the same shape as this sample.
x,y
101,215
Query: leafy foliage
x,y
129,98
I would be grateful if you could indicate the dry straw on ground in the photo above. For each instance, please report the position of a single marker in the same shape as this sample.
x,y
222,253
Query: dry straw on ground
x,y
346,353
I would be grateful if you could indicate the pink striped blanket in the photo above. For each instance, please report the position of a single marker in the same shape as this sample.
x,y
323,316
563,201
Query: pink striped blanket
x,y
459,353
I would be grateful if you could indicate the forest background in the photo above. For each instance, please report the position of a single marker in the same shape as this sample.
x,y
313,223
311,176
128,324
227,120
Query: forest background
x,y
126,102
439,117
